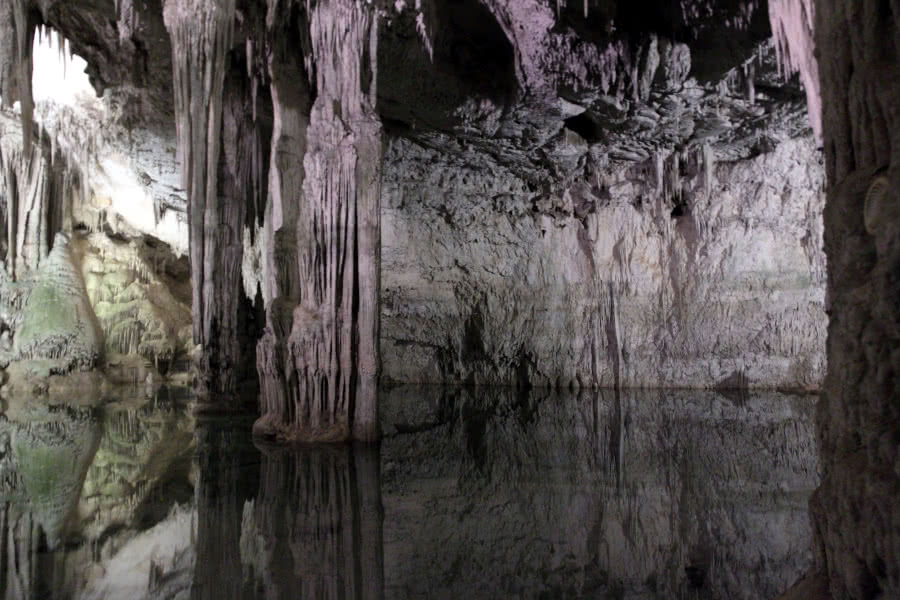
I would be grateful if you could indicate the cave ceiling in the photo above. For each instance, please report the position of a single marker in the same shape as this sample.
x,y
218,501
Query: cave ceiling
x,y
538,87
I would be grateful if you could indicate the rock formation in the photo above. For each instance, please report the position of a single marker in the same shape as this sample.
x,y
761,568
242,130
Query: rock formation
x,y
58,322
526,192
320,382
856,510
570,194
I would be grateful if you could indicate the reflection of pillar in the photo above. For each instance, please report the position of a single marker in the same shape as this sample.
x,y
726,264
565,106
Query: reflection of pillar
x,y
227,476
315,528
19,544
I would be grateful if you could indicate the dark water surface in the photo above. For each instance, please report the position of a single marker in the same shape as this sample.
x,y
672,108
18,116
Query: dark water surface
x,y
472,494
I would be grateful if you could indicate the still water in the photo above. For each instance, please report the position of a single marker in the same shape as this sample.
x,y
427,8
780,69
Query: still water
x,y
471,494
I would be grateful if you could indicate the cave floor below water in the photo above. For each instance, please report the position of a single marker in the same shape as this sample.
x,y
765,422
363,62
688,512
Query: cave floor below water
x,y
472,493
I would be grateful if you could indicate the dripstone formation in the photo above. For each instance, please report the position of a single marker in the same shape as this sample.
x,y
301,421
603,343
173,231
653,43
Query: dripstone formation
x,y
517,192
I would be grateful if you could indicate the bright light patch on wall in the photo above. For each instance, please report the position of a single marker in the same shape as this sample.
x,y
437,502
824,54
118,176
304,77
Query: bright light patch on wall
x,y
58,75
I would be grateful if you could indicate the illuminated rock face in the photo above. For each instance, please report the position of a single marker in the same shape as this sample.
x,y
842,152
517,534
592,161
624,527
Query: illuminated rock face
x,y
614,279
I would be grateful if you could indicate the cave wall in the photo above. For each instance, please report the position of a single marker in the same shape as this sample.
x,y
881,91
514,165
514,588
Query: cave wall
x,y
856,510
611,279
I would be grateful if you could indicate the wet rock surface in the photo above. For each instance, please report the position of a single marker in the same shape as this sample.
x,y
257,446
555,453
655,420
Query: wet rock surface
x,y
473,492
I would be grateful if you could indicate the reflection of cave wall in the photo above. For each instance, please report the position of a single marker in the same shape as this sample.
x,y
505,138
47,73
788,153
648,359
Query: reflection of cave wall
x,y
492,494
46,453
78,484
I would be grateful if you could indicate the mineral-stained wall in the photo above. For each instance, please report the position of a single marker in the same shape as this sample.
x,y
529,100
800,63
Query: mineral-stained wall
x,y
856,510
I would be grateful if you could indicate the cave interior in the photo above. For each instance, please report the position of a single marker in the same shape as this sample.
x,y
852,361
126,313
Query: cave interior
x,y
450,298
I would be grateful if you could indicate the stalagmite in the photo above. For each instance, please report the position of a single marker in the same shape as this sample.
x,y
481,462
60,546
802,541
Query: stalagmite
x,y
322,386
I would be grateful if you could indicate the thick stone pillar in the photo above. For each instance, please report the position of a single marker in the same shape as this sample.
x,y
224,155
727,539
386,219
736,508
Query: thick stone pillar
x,y
857,508
320,384
201,32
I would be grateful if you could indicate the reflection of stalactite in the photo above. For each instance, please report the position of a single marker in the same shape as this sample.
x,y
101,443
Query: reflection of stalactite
x,y
19,546
322,539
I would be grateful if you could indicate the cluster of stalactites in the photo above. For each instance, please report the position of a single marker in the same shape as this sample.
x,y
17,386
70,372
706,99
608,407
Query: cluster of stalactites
x,y
793,25
334,25
201,32
37,193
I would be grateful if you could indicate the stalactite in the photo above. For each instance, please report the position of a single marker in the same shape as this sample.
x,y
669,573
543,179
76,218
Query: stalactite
x,y
127,17
792,26
201,32
16,40
37,194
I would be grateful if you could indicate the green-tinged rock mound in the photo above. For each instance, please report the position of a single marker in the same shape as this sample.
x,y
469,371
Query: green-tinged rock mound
x,y
58,322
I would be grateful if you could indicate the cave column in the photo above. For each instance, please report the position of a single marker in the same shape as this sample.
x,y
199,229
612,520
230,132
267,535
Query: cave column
x,y
856,512
331,359
201,32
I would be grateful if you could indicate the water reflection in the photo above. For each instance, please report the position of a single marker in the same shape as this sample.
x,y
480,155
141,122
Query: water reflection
x,y
472,493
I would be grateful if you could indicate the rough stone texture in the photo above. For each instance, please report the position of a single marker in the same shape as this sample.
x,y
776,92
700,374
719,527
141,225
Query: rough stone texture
x,y
141,295
320,382
130,183
58,322
679,271
857,508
